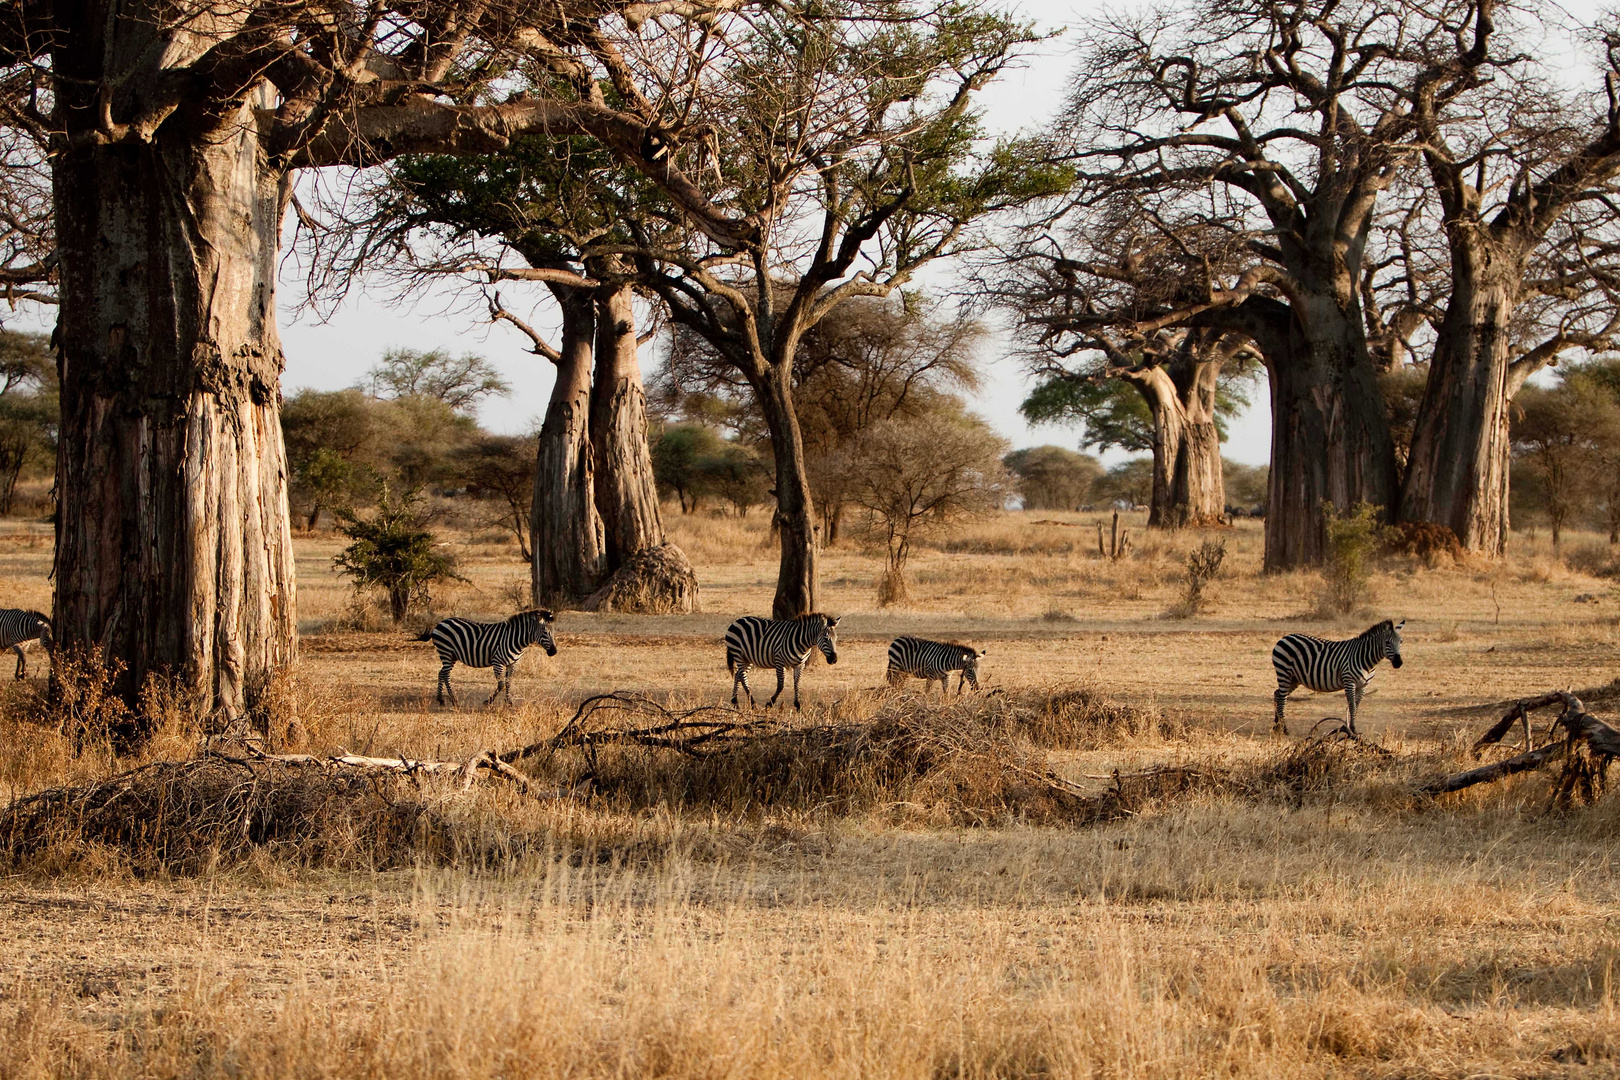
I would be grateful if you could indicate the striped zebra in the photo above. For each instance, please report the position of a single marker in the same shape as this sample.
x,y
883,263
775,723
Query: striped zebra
x,y
1325,666
930,660
496,645
755,641
18,628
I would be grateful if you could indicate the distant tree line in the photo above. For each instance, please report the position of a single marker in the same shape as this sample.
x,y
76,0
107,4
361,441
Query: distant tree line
x,y
1056,478
29,412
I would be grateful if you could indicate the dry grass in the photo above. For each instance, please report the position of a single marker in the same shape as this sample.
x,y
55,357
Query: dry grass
x,y
881,887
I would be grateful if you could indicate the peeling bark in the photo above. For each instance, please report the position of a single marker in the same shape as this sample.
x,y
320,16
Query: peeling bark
x,y
174,546
1188,488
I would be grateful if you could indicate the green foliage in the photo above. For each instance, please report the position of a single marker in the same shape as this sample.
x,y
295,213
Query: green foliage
x,y
1352,539
1246,486
1111,413
1129,482
1052,477
694,462
393,552
29,411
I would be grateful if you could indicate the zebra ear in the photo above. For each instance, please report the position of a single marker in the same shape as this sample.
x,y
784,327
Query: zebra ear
x,y
832,621
1400,624
984,652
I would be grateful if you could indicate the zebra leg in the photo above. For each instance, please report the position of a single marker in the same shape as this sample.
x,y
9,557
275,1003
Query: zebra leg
x,y
796,673
1352,698
1277,724
895,676
741,679
780,674
499,682
22,661
444,682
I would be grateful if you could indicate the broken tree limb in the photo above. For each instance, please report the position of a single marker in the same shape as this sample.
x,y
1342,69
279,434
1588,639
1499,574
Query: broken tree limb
x,y
483,762
1485,774
1520,711
1581,728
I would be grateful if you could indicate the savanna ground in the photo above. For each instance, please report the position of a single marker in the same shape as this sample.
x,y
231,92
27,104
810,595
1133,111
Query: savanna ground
x,y
1266,928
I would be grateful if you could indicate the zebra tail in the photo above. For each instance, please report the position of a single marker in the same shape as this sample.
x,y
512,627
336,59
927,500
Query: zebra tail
x,y
426,635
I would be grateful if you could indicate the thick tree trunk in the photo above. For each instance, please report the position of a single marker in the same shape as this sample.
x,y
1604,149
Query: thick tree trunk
x,y
1188,488
174,545
1457,472
1330,440
1198,491
569,546
795,508
626,493
642,571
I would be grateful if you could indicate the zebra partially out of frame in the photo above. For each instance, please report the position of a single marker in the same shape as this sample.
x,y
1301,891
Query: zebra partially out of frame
x,y
755,641
930,660
18,628
496,645
1325,666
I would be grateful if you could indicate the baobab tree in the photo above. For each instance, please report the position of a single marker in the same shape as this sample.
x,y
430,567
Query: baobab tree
x,y
174,132
1517,165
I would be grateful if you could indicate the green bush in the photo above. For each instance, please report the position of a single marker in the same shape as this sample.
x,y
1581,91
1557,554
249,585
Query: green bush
x,y
394,552
1352,537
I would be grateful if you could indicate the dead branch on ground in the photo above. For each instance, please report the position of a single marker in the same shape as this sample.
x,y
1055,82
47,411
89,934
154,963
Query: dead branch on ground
x,y
1587,747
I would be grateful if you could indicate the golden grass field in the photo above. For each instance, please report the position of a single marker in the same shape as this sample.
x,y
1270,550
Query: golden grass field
x,y
1358,931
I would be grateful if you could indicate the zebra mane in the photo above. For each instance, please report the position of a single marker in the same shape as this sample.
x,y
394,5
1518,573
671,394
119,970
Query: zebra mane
x,y
543,614
1378,628
809,615
967,649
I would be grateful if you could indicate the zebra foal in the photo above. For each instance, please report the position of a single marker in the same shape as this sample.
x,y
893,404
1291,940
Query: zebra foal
x,y
1325,666
18,628
930,660
491,645
755,641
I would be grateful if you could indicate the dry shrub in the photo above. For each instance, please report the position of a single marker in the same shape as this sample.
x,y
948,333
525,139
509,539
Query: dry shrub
x,y
1080,718
891,587
1203,565
939,764
1424,540
189,816
653,581
1352,538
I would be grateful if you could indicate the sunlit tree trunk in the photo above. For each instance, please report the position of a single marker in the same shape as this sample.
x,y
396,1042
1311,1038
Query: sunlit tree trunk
x,y
174,546
626,493
795,507
569,544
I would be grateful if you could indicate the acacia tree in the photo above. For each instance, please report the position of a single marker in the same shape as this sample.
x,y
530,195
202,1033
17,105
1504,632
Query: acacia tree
x,y
174,131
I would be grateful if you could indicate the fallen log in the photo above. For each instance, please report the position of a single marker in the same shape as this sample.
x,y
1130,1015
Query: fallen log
x,y
1581,729
1525,762
482,762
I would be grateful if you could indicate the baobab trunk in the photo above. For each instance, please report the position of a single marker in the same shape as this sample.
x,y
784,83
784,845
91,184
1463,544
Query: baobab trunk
x,y
641,570
626,493
795,508
174,545
569,547
1188,488
1330,440
1457,472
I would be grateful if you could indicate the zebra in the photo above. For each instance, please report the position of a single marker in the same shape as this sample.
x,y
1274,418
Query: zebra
x,y
18,628
755,641
1325,666
496,645
930,660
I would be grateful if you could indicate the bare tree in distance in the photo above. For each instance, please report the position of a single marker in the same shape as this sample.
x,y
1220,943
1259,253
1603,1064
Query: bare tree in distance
x,y
173,133
916,475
